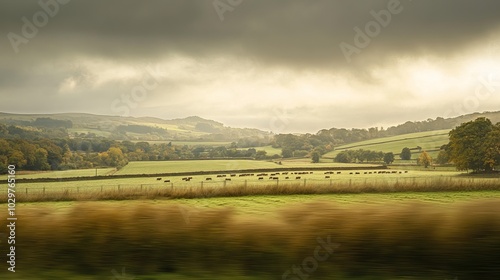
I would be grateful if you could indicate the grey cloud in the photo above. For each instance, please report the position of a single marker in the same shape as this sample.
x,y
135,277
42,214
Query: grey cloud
x,y
295,34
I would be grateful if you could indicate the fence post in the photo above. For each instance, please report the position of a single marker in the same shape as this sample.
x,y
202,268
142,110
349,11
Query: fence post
x,y
350,182
305,182
278,183
202,184
26,190
172,186
43,190
224,184
245,183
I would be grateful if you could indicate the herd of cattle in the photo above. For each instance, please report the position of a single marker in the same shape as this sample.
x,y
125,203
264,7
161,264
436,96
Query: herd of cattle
x,y
288,175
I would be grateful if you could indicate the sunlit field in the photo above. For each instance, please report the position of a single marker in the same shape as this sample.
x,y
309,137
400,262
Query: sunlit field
x,y
429,141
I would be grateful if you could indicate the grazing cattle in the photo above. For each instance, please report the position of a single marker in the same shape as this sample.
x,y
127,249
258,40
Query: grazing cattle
x,y
166,181
394,172
406,171
275,178
233,175
327,177
158,179
297,178
287,177
261,178
285,173
357,172
350,173
208,179
228,179
188,179
339,172
366,172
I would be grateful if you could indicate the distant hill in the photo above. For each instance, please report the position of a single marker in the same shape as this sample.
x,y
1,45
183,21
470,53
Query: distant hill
x,y
130,128
195,128
439,123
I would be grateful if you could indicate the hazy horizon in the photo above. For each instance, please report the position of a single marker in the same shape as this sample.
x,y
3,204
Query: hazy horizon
x,y
282,67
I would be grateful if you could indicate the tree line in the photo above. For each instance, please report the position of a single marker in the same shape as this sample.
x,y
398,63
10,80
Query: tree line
x,y
474,145
63,154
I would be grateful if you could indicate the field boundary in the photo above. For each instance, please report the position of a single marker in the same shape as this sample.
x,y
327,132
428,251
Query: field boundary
x,y
390,141
212,172
203,189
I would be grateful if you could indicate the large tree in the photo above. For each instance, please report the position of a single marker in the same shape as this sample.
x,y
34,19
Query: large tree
x,y
389,157
405,154
424,159
475,145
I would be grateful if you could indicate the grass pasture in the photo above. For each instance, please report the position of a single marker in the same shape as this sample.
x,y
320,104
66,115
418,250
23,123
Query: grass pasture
x,y
161,167
189,143
239,185
158,167
410,224
62,174
270,151
430,140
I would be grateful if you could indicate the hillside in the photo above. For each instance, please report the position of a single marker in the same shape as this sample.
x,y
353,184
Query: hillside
x,y
429,141
142,128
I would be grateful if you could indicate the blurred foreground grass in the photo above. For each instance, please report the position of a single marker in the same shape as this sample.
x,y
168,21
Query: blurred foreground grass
x,y
148,240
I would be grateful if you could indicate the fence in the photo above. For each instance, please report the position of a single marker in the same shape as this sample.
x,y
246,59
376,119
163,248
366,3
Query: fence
x,y
298,183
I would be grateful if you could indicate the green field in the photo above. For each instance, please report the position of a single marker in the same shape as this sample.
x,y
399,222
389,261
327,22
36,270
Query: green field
x,y
158,167
189,143
270,151
317,178
430,140
62,174
264,205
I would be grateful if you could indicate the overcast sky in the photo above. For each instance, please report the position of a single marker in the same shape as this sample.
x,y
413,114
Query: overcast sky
x,y
282,66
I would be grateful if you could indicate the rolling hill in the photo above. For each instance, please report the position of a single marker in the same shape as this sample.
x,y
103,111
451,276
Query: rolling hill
x,y
139,129
429,141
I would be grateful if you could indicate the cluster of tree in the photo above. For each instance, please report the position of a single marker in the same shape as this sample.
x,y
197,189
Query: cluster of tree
x,y
49,122
62,154
31,133
360,155
473,145
47,154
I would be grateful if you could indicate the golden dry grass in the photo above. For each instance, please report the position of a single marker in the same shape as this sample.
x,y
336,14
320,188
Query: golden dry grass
x,y
421,239
131,193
